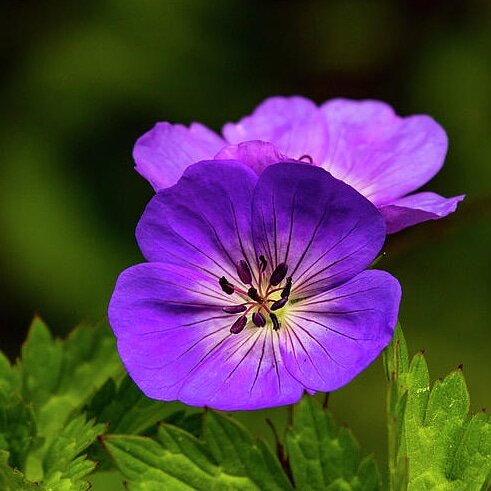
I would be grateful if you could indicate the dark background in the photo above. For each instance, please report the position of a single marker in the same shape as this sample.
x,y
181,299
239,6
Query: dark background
x,y
82,80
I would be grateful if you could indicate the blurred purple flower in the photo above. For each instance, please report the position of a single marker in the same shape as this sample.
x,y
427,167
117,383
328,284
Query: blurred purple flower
x,y
255,289
364,143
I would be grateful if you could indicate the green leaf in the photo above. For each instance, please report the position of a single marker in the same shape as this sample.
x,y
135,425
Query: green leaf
x,y
17,428
239,454
64,467
59,376
9,378
323,457
228,458
14,480
433,441
72,368
125,408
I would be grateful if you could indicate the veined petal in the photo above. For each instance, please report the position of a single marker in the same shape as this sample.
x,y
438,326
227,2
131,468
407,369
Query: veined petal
x,y
163,153
418,208
246,372
157,312
174,340
330,338
256,154
203,221
320,227
382,155
293,124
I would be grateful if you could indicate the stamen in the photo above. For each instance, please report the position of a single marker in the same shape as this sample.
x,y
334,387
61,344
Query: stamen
x,y
279,303
252,292
234,309
263,264
306,157
244,272
239,325
278,274
275,321
258,319
226,286
288,288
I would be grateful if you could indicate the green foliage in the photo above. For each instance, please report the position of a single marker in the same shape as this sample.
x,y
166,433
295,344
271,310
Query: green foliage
x,y
125,408
42,431
64,405
324,457
433,441
227,458
13,480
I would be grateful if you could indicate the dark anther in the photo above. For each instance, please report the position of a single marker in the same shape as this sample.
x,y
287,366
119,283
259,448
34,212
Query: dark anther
x,y
278,274
306,157
234,309
263,263
258,319
285,293
275,321
226,286
279,303
252,292
238,325
244,272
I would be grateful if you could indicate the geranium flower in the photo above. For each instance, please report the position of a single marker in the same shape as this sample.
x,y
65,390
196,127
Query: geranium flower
x,y
364,143
255,288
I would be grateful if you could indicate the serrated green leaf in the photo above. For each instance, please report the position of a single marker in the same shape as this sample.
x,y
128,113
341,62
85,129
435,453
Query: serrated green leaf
x,y
17,428
12,479
41,364
59,376
9,378
64,467
228,459
239,454
323,457
433,442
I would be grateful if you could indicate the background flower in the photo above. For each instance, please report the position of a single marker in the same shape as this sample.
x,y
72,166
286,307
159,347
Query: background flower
x,y
363,143
255,288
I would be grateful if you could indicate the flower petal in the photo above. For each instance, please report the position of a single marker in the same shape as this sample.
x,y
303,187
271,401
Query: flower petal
x,y
330,338
293,124
246,372
204,220
320,227
256,154
163,153
418,208
380,154
174,340
157,311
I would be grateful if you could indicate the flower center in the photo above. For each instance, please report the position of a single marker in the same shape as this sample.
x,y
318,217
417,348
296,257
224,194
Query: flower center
x,y
261,300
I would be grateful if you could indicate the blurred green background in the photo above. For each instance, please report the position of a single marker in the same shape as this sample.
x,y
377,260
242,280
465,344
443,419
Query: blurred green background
x,y
82,80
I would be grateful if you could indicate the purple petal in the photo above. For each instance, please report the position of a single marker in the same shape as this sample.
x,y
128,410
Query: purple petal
x,y
203,221
246,372
330,338
157,311
256,154
418,208
320,227
380,154
294,125
175,342
163,153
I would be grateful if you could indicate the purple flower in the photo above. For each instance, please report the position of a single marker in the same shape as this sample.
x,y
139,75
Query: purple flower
x,y
255,288
363,143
